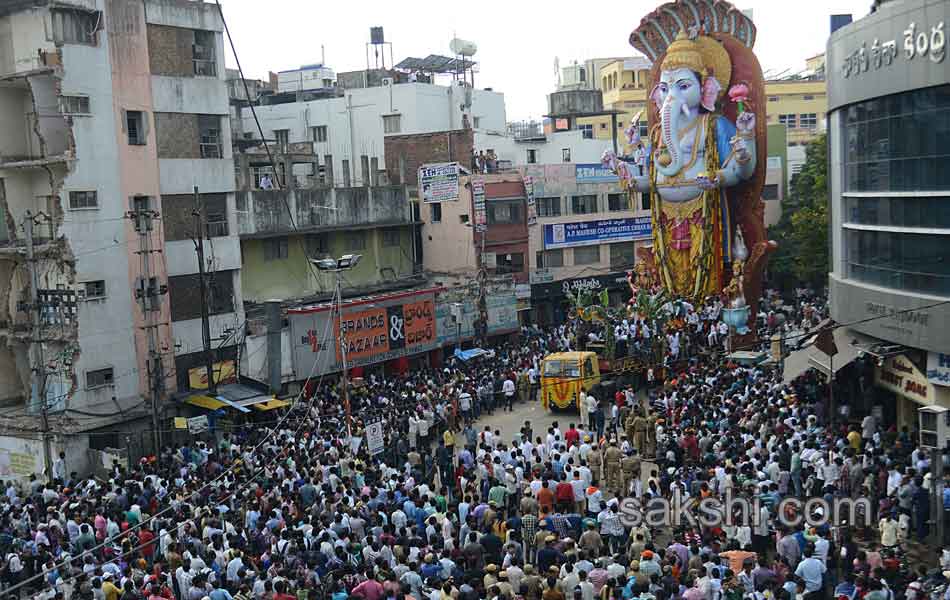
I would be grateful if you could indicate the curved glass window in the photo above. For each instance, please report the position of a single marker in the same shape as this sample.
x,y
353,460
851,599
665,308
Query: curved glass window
x,y
910,262
898,143
899,211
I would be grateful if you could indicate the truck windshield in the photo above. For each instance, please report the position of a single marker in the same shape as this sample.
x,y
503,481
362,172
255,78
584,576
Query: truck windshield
x,y
561,368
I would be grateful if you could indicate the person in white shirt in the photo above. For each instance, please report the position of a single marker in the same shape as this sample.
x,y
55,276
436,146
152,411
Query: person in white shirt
x,y
508,388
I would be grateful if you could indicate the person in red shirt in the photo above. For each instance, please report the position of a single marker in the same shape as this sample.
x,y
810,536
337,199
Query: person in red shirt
x,y
572,436
146,541
546,498
564,494
280,589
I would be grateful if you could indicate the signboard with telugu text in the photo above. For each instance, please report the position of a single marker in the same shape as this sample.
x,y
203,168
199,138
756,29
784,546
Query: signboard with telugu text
x,y
592,233
903,378
938,368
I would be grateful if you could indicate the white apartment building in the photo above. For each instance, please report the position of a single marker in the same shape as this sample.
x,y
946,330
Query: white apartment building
x,y
350,127
110,114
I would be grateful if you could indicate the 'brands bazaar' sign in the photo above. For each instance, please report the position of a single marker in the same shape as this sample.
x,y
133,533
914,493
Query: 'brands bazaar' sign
x,y
917,42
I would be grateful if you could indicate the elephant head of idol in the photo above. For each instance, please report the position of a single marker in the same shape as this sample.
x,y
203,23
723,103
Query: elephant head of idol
x,y
693,75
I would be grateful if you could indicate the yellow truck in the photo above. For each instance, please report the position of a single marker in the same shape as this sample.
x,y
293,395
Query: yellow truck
x,y
564,375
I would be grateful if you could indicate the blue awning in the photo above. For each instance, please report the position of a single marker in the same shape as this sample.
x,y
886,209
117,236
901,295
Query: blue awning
x,y
467,355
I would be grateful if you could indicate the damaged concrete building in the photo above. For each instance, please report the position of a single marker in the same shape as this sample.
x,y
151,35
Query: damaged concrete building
x,y
111,113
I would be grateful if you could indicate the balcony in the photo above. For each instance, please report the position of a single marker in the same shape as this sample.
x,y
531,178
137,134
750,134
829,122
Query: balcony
x,y
265,213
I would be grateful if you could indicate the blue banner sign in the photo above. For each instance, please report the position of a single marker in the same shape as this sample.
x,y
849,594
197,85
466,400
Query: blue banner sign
x,y
592,233
594,173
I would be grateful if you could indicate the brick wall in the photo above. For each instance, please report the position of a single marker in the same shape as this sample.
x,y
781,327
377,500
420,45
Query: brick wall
x,y
422,148
169,51
177,135
178,213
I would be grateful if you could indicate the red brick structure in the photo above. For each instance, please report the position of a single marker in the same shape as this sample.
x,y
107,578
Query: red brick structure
x,y
406,153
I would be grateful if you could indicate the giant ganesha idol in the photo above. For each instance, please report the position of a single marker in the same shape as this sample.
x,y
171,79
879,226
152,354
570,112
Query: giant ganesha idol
x,y
702,164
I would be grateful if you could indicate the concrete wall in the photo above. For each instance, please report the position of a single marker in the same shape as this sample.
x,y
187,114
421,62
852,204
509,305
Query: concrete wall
x,y
424,108
548,151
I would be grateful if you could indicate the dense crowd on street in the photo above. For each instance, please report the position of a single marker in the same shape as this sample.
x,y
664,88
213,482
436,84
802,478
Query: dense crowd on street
x,y
454,509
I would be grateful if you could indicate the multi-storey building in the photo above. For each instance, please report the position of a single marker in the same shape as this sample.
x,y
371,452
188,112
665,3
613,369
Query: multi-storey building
x,y
110,114
889,135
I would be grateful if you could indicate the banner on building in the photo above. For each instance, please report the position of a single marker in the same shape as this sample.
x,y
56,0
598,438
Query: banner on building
x,y
529,194
439,182
369,332
224,372
592,233
938,368
594,173
198,424
478,200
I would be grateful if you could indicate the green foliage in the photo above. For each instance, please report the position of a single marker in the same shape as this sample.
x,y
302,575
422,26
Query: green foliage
x,y
802,257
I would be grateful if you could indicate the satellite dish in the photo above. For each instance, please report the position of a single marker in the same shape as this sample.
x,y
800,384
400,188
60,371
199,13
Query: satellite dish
x,y
463,47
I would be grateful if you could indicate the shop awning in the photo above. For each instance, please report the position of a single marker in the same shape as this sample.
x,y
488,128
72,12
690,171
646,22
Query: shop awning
x,y
214,402
811,357
270,404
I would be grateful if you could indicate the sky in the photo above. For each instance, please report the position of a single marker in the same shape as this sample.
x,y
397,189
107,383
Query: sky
x,y
518,40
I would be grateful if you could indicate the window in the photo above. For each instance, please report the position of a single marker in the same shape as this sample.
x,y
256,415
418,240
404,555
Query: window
x,y
622,255
773,98
532,156
282,137
275,248
586,255
808,120
392,123
463,219
391,238
509,263
202,54
476,122
898,211
216,224
74,105
787,120
99,378
95,289
770,191
142,207
435,213
83,200
583,205
617,202
75,26
135,127
565,155
808,97
898,143
587,132
319,133
505,212
547,259
356,240
644,201
317,245
549,207
910,262
603,126
209,130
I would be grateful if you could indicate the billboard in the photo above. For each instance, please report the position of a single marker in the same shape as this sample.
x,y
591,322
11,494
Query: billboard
x,y
224,372
439,182
592,233
594,173
478,199
369,332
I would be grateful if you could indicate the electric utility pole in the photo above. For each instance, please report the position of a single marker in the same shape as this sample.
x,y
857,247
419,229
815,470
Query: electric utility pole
x,y
205,325
38,386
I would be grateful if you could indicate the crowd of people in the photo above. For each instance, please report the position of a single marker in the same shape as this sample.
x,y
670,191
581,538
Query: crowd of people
x,y
455,509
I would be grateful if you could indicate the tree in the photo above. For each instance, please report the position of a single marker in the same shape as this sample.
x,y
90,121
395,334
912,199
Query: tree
x,y
802,233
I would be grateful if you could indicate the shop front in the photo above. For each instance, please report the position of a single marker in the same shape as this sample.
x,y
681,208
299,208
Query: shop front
x,y
550,302
901,380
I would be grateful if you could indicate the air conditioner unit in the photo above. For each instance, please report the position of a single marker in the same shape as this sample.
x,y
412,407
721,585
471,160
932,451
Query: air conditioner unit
x,y
934,426
388,81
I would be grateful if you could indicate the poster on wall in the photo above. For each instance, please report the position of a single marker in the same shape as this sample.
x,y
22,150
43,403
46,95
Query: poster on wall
x,y
478,199
938,368
529,194
439,182
592,233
